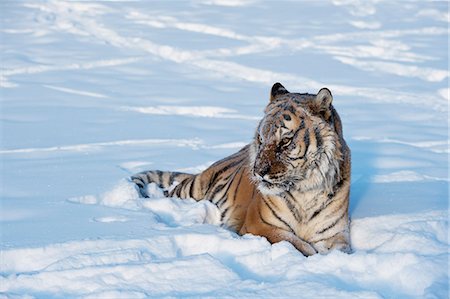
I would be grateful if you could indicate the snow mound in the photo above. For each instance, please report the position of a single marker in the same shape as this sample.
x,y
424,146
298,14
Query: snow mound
x,y
397,256
169,211
124,195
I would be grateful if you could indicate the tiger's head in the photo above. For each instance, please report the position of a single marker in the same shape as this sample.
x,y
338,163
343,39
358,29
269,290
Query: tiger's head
x,y
297,144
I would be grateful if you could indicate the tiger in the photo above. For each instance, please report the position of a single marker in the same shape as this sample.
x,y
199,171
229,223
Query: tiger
x,y
291,183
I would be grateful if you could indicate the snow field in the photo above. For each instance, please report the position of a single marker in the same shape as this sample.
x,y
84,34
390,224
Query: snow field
x,y
400,255
92,92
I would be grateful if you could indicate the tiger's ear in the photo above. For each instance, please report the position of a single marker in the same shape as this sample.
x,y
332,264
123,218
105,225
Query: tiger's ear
x,y
277,89
323,99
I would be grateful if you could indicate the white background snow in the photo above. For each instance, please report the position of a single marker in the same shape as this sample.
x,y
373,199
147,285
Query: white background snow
x,y
92,92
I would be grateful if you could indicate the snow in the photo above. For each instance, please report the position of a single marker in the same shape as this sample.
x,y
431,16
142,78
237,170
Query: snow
x,y
195,111
92,92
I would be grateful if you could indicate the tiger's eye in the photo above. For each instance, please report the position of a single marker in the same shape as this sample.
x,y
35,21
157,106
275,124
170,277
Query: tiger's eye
x,y
285,142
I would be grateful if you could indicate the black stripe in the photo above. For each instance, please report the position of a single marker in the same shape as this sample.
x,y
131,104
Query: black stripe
x,y
218,173
225,183
301,127
277,216
332,224
317,212
139,183
191,189
291,109
237,186
291,206
266,222
302,124
294,159
228,185
178,190
149,179
233,156
327,238
218,188
222,215
222,200
277,104
172,177
306,141
319,139
290,163
160,174
253,192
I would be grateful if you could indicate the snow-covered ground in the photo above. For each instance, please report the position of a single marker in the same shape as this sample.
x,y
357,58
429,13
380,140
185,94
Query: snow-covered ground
x,y
92,92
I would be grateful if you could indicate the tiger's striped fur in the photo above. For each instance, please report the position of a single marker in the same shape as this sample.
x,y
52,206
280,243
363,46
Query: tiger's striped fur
x,y
291,183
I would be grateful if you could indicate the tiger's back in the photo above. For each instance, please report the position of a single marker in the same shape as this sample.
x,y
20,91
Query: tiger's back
x,y
291,183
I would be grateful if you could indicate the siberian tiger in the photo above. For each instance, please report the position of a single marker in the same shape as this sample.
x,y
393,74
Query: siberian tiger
x,y
291,183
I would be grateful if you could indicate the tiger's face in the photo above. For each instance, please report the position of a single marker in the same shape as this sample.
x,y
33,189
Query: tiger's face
x,y
296,146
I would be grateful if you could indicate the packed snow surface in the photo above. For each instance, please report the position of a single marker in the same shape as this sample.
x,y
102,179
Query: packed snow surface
x,y
92,92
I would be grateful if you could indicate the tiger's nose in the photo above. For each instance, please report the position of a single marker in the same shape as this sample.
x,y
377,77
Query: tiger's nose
x,y
263,173
266,178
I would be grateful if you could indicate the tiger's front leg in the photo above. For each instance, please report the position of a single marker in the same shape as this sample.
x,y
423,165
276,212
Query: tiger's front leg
x,y
164,179
275,235
341,242
259,222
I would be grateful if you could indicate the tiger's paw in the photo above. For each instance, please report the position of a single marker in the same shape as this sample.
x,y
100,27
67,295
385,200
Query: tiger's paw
x,y
323,247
